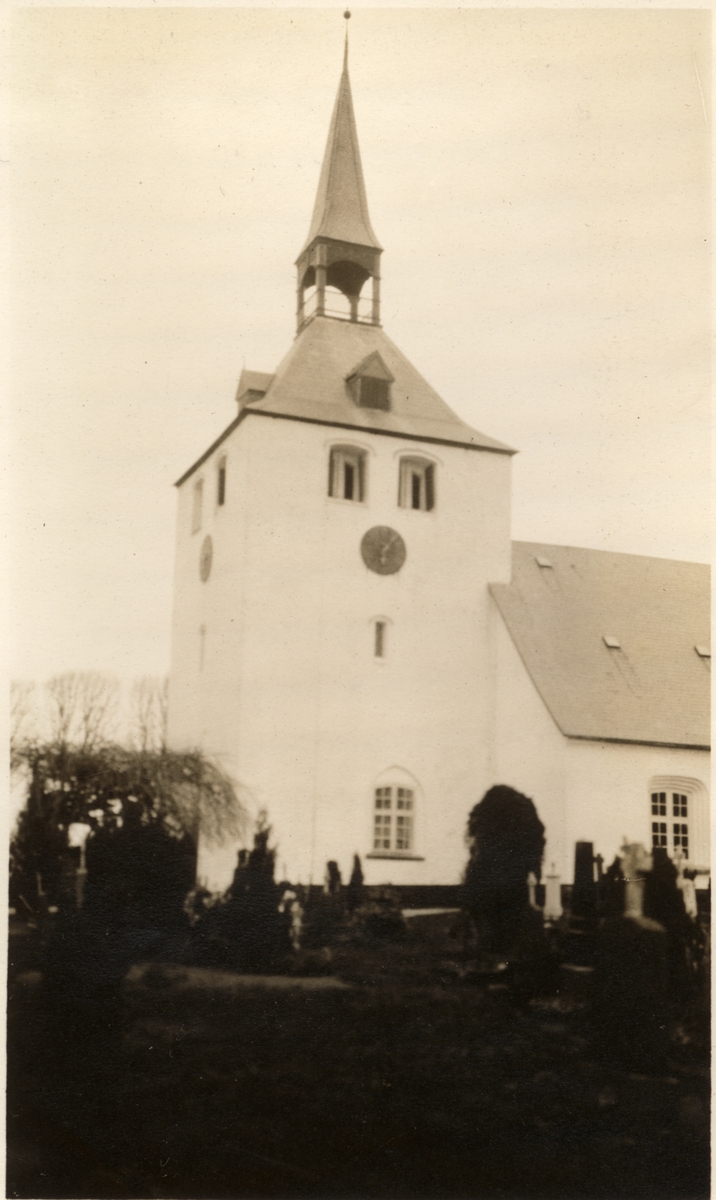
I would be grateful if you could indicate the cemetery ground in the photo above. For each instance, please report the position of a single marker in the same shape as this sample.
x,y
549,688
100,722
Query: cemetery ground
x,y
394,1075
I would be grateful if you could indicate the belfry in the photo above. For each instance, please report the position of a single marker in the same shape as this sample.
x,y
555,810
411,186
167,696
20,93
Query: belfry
x,y
341,251
359,643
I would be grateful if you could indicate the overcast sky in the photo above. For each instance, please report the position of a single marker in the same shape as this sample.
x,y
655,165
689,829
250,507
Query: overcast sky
x,y
538,178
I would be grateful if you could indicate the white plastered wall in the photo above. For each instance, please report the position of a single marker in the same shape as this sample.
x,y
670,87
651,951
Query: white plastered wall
x,y
529,750
609,790
584,790
290,696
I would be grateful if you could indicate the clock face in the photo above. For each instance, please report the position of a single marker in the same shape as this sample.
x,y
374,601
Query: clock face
x,y
383,550
207,553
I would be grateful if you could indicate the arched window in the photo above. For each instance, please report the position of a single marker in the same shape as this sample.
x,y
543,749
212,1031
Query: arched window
x,y
346,474
678,814
416,487
394,813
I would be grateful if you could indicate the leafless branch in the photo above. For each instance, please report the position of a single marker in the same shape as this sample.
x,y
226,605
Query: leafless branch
x,y
82,708
148,712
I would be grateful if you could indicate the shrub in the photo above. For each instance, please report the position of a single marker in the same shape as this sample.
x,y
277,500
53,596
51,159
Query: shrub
x,y
246,929
506,840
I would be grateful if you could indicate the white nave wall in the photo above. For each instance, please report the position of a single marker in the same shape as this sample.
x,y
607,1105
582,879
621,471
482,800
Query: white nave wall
x,y
583,790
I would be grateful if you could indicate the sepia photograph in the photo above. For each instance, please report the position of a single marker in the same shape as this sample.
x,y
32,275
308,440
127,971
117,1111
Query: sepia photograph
x,y
359,637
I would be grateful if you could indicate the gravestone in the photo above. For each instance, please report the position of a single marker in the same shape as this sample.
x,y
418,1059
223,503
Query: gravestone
x,y
687,887
580,939
631,976
553,896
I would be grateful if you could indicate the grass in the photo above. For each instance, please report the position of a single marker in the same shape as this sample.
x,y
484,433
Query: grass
x,y
406,1084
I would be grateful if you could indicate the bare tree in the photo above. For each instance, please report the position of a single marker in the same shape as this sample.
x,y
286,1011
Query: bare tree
x,y
163,709
82,707
23,713
62,694
148,712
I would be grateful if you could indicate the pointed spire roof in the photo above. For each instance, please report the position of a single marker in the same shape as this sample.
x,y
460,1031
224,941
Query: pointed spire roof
x,y
341,208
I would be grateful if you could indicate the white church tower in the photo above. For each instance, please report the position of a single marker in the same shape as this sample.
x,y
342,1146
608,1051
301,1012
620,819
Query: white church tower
x,y
331,642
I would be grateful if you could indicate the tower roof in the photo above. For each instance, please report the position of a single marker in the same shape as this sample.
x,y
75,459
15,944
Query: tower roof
x,y
310,385
341,208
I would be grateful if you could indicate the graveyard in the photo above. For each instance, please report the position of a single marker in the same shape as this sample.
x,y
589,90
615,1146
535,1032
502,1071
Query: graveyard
x,y
354,1046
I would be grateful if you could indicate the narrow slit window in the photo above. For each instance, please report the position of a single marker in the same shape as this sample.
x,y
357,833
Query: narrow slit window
x,y
221,483
379,642
346,475
416,487
197,499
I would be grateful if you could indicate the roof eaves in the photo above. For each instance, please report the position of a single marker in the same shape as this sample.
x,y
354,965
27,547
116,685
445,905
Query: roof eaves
x,y
634,741
396,433
493,590
214,446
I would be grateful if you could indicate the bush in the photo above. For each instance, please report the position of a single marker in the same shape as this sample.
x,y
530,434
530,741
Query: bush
x,y
506,840
246,929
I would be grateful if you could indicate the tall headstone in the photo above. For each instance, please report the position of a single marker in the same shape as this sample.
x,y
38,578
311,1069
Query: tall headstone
x,y
553,896
584,891
580,938
687,887
631,976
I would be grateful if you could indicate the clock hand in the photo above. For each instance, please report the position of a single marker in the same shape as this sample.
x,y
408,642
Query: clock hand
x,y
386,547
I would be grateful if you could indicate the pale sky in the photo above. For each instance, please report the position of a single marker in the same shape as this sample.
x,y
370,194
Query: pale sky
x,y
539,179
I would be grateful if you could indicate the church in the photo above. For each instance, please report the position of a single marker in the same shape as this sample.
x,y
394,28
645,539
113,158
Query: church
x,y
360,644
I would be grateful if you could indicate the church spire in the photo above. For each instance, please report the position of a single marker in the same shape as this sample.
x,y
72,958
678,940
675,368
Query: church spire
x,y
341,250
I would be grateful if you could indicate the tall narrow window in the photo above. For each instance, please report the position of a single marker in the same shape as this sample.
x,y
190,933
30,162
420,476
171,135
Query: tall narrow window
x,y
221,483
417,484
379,643
346,476
196,506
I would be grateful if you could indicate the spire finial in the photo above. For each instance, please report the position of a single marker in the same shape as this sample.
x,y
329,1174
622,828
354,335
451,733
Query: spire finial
x,y
347,16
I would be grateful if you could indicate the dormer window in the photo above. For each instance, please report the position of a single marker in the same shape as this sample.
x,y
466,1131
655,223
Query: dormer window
x,y
417,484
370,383
346,476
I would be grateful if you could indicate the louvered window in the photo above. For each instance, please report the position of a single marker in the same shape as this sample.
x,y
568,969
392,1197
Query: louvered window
x,y
346,476
416,487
